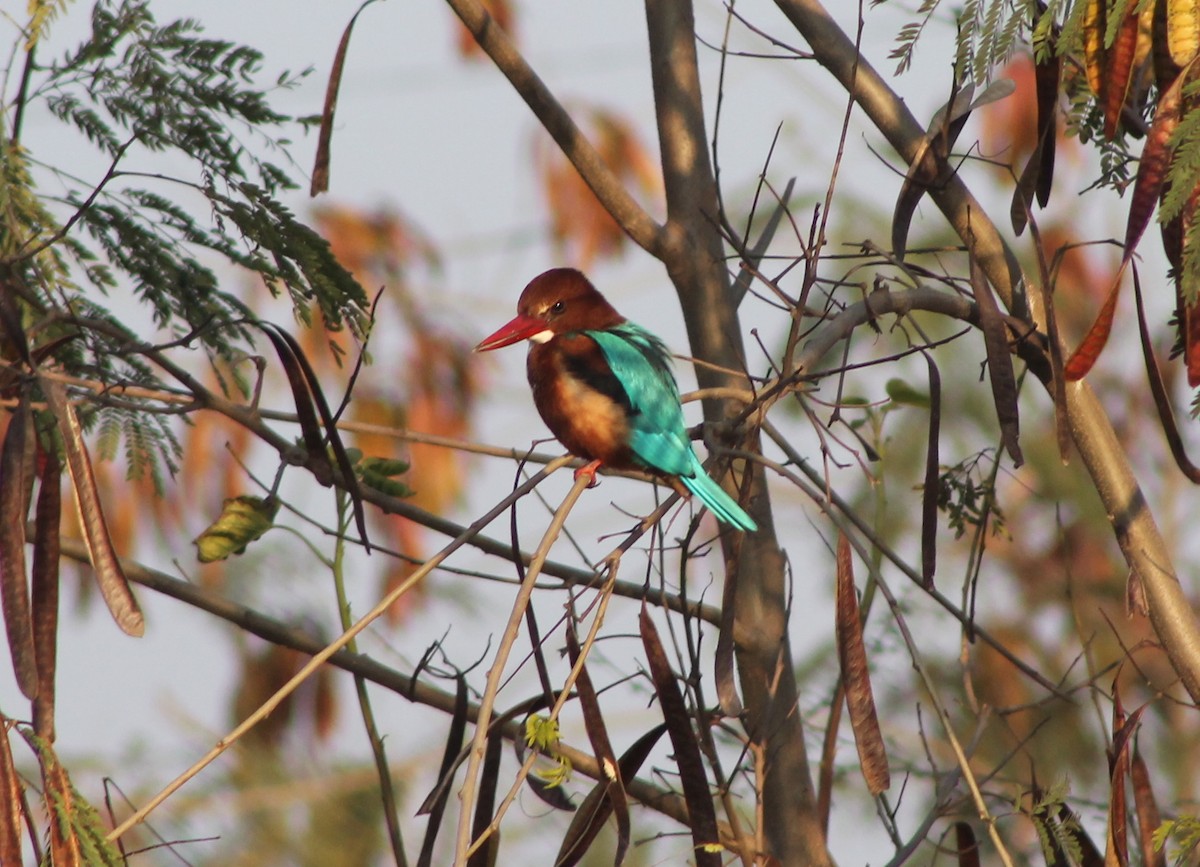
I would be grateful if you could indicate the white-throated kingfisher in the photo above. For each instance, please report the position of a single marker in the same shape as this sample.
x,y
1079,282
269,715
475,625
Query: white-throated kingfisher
x,y
604,387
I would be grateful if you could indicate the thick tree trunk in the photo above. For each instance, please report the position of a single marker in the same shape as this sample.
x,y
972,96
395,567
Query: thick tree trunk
x,y
694,257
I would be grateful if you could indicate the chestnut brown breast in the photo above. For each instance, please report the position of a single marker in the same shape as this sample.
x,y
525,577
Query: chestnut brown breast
x,y
580,400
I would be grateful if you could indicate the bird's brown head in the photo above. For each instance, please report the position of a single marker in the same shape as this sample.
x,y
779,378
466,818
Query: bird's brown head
x,y
558,301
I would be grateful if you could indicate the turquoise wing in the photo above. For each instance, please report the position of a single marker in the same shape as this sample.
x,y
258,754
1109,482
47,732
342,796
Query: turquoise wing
x,y
658,435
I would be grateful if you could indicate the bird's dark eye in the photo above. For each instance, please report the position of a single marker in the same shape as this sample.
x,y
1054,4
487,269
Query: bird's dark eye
x,y
557,307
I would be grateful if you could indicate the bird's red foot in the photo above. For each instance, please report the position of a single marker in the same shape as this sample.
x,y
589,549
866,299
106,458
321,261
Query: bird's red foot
x,y
590,471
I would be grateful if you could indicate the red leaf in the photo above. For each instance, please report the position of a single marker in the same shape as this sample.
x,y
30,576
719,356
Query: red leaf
x,y
1085,355
1147,188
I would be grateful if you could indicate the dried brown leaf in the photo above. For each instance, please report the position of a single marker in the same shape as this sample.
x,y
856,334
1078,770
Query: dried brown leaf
x,y
828,754
11,798
485,803
685,745
110,578
723,662
966,845
930,168
1124,728
1037,177
435,805
999,362
1146,807
1047,75
16,483
308,385
597,731
320,176
316,460
852,655
44,589
593,813
929,493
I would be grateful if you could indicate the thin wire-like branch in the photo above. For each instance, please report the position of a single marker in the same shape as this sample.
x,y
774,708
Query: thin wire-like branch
x,y
387,791
563,694
254,420
49,242
487,702
405,684
832,504
964,764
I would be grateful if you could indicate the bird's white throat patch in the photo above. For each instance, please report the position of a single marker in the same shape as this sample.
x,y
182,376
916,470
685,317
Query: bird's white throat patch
x,y
542,336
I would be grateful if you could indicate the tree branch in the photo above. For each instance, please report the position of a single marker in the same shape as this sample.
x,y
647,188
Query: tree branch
x,y
754,625
630,216
1102,454
402,683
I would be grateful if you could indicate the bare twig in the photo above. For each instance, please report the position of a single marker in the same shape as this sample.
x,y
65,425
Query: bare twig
x,y
487,702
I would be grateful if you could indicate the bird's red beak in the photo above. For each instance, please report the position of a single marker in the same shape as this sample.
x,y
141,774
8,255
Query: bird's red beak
x,y
520,328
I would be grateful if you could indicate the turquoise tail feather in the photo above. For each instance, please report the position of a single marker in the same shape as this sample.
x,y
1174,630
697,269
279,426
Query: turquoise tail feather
x,y
718,502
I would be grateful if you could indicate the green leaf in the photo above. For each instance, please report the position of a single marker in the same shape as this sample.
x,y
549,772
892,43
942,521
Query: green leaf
x,y
901,392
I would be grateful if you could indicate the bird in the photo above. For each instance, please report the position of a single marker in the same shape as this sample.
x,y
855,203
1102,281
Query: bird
x,y
605,388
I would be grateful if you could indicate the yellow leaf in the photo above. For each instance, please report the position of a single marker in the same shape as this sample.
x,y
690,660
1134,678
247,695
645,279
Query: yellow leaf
x,y
242,520
1183,29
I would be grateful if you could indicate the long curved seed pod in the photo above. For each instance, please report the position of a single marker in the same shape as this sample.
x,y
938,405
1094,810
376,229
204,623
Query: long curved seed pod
x,y
16,484
1183,30
114,586
1119,71
1094,23
1147,187
44,589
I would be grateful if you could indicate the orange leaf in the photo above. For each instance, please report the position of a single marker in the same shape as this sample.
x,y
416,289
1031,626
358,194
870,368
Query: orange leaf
x,y
860,701
1151,175
578,222
502,16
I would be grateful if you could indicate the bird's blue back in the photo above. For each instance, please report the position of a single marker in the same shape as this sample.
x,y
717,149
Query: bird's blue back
x,y
641,363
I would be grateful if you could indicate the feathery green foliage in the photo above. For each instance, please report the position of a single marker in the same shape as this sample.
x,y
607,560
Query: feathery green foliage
x,y
75,817
989,33
967,494
1057,827
74,241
